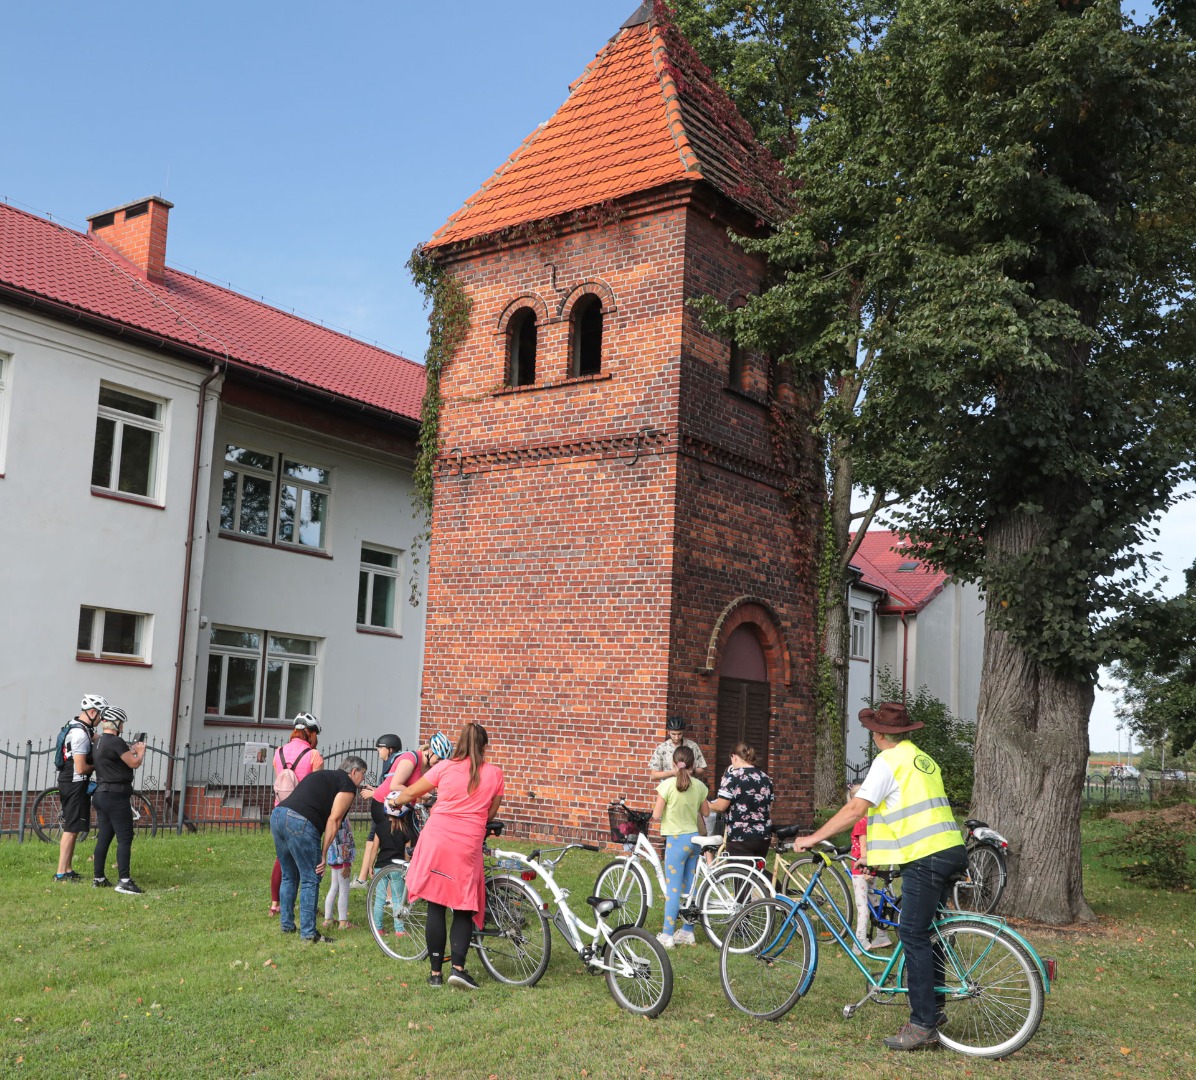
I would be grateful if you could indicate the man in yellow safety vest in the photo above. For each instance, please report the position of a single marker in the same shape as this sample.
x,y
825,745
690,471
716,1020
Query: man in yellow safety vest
x,y
910,824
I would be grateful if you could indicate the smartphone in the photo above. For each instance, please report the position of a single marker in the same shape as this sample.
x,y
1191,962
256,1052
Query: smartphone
x,y
138,736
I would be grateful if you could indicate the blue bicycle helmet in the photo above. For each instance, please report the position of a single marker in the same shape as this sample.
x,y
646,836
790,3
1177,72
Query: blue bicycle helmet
x,y
440,746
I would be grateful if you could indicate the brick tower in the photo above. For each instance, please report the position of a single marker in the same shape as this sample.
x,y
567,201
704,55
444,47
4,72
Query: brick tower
x,y
613,536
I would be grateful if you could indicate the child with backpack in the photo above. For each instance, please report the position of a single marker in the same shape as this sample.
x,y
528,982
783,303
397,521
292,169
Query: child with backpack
x,y
341,853
292,762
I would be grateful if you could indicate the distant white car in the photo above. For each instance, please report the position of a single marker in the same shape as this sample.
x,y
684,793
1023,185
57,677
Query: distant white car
x,y
1174,774
1123,772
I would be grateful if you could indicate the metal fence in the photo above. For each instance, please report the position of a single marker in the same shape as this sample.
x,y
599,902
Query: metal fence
x,y
217,785
1100,789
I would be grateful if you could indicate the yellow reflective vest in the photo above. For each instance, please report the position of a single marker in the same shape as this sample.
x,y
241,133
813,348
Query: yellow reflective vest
x,y
924,823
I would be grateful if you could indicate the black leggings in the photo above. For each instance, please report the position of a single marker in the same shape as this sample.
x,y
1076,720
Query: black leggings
x,y
115,817
434,935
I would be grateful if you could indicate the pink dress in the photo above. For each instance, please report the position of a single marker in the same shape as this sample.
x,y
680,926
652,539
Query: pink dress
x,y
447,865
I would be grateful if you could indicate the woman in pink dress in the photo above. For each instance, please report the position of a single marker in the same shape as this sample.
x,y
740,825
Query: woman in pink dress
x,y
446,869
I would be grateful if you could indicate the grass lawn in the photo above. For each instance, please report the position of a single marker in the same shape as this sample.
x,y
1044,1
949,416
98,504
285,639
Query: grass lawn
x,y
193,979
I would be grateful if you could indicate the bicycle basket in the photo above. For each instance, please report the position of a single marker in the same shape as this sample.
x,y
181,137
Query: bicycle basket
x,y
626,824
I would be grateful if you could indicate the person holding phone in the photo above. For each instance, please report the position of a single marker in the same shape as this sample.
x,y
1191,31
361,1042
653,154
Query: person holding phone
x,y
115,762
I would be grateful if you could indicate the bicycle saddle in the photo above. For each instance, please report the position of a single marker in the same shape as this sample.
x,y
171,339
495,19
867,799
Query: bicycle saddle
x,y
602,905
975,823
707,841
786,832
495,827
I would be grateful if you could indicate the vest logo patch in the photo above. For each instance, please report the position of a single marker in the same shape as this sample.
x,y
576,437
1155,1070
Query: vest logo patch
x,y
924,764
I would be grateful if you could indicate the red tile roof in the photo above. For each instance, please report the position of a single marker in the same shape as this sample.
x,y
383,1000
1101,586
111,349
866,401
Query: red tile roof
x,y
880,558
646,112
41,259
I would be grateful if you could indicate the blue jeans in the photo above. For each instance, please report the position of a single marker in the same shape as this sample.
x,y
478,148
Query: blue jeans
x,y
680,862
299,848
925,885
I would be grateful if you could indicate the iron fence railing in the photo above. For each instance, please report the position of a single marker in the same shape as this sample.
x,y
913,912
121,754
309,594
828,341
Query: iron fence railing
x,y
227,784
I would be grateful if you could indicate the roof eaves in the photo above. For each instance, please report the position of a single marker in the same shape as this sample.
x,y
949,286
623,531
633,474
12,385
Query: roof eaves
x,y
672,106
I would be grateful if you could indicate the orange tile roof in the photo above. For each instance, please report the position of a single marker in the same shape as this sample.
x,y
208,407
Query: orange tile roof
x,y
909,582
646,112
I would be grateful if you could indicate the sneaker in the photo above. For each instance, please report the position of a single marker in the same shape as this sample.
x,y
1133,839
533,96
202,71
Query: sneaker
x,y
69,877
912,1037
881,941
100,883
357,883
683,937
435,979
462,979
128,886
320,938
667,940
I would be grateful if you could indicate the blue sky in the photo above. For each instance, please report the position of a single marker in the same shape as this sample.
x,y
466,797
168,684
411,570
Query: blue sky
x,y
307,148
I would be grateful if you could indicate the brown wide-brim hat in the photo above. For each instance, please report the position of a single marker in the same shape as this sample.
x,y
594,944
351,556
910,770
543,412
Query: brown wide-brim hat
x,y
890,718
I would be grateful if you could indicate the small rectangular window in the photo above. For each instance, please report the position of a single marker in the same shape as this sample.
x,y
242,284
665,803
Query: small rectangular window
x,y
861,634
113,635
129,429
257,676
377,586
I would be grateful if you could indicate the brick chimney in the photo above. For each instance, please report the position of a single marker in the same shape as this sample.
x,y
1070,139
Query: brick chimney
x,y
138,231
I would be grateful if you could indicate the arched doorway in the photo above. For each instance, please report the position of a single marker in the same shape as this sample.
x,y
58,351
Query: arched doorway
x,y
744,699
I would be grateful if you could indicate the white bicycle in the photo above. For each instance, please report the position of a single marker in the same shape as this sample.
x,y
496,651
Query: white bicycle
x,y
720,890
638,972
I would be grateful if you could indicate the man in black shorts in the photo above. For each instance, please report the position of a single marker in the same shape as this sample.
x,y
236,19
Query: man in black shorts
x,y
73,780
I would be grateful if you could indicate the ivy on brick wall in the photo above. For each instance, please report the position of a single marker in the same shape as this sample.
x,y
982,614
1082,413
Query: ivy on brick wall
x,y
448,323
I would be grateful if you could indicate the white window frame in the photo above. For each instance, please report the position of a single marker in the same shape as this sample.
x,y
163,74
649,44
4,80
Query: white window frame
x,y
861,633
262,655
95,648
373,572
279,478
122,419
5,394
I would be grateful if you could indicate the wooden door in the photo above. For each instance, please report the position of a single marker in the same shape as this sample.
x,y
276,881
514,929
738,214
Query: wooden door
x,y
743,710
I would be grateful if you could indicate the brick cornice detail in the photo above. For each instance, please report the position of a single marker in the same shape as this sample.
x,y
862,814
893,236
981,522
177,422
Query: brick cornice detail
x,y
708,453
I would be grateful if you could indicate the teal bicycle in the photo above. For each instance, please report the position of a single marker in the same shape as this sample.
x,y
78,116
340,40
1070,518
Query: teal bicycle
x,y
994,983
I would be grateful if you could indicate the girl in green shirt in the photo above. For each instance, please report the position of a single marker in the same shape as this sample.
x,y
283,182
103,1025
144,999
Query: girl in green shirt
x,y
680,803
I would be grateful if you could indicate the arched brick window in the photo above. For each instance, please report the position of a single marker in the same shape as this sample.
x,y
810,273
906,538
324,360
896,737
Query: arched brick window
x,y
585,336
521,348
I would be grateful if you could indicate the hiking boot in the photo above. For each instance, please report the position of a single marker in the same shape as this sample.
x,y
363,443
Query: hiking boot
x,y
70,877
667,940
128,886
462,979
684,937
100,883
435,979
912,1037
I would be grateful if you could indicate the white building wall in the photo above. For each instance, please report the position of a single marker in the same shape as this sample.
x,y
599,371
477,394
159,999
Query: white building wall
x,y
860,674
61,546
366,684
950,648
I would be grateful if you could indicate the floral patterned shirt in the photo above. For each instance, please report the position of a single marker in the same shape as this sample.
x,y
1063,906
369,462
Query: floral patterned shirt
x,y
749,817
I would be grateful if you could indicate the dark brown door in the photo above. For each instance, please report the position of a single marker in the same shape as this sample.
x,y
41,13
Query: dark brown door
x,y
743,706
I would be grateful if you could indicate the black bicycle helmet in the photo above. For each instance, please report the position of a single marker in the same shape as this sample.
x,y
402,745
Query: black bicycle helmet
x,y
675,723
391,742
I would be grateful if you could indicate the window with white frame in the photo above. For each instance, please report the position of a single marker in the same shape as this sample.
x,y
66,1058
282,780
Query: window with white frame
x,y
256,675
5,365
129,430
105,634
861,633
377,586
273,497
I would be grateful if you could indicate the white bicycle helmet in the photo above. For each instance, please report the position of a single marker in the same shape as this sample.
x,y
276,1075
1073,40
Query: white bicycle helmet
x,y
304,721
93,701
440,746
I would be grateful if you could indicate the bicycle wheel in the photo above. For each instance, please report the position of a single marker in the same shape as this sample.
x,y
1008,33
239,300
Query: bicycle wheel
x,y
768,959
832,889
639,974
46,816
514,944
994,993
981,890
397,925
623,881
145,818
728,890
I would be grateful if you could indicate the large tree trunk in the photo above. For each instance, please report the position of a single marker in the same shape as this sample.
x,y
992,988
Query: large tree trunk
x,y
1031,756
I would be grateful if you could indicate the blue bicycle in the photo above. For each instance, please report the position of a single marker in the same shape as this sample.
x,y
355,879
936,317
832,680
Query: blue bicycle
x,y
994,983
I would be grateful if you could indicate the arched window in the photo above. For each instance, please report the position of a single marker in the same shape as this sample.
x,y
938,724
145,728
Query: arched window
x,y
586,336
521,347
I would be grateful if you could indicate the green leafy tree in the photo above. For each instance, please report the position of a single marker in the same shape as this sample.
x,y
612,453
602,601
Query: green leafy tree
x,y
996,234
